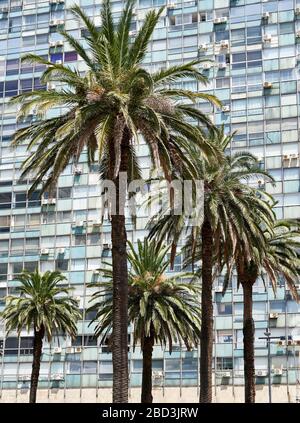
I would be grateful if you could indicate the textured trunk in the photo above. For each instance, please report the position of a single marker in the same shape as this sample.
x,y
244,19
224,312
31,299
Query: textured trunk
x,y
248,331
206,347
37,353
146,396
120,288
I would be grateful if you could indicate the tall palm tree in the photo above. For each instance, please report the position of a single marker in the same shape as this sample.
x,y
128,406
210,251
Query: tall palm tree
x,y
105,111
162,310
44,306
227,206
278,257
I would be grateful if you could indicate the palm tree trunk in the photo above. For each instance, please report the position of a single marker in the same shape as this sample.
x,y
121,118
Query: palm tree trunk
x,y
146,396
248,331
120,288
37,353
206,347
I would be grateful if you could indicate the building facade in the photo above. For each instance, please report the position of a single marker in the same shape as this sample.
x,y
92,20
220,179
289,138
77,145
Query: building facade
x,y
255,49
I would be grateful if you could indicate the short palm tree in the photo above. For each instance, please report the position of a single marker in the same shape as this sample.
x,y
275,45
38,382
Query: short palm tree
x,y
278,257
223,217
162,310
105,111
44,306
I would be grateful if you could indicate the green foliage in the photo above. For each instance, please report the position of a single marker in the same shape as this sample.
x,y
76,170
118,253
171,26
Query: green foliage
x,y
169,305
41,301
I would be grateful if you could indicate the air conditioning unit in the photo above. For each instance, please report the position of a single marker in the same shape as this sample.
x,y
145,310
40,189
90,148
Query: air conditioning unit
x,y
107,246
203,47
157,377
77,298
59,43
261,373
294,156
52,44
289,343
96,272
226,374
77,170
224,44
226,109
298,34
277,371
223,19
78,350
51,86
267,38
206,65
61,250
171,6
70,350
45,251
286,157
297,11
79,223
97,222
222,65
281,343
57,350
132,33
266,15
53,22
58,62
267,84
46,201
217,20
57,376
218,289
273,315
24,378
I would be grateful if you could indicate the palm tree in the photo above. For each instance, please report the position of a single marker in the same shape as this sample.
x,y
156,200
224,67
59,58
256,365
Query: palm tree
x,y
162,310
105,111
227,206
44,306
278,257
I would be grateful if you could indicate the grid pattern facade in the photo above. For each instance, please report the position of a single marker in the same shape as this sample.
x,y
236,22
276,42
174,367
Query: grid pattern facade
x,y
255,48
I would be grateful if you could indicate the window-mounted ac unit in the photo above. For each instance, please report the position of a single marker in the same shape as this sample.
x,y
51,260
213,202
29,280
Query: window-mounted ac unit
x,y
277,371
226,109
53,22
78,170
132,33
222,65
261,373
266,15
59,43
297,11
298,34
96,271
225,374
61,250
286,157
206,65
24,378
58,62
97,222
46,201
224,44
267,38
57,376
223,19
294,156
218,289
217,20
267,84
171,6
79,223
78,349
281,343
45,251
70,350
273,315
52,44
203,47
107,246
57,350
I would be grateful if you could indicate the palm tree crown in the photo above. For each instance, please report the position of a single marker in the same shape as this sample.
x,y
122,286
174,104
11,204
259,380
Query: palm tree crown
x,y
114,99
169,307
42,302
